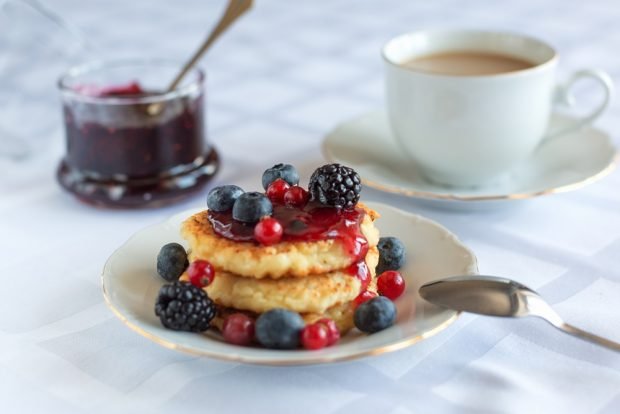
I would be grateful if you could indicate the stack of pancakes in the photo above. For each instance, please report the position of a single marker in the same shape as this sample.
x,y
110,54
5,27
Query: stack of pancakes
x,y
308,277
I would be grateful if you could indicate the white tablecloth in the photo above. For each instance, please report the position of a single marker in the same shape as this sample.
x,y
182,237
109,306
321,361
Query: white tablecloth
x,y
278,82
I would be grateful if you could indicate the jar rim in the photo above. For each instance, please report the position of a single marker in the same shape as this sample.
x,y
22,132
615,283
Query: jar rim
x,y
72,73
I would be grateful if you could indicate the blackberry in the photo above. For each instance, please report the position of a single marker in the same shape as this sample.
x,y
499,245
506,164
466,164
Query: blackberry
x,y
336,185
184,307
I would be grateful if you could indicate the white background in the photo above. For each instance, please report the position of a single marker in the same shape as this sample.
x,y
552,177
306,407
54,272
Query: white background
x,y
281,79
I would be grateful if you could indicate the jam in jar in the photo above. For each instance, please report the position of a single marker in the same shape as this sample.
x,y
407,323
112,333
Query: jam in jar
x,y
129,145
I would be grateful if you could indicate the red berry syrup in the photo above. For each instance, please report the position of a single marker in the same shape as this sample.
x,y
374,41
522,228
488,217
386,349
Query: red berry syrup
x,y
312,222
360,270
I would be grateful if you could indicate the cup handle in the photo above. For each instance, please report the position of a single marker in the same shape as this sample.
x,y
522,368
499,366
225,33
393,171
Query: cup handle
x,y
563,96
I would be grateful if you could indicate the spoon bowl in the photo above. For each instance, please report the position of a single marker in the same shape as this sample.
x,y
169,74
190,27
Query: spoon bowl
x,y
491,296
497,296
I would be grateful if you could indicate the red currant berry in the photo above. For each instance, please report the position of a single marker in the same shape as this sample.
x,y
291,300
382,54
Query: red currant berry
x,y
390,284
201,273
296,196
314,336
268,231
238,329
333,334
363,297
277,190
361,271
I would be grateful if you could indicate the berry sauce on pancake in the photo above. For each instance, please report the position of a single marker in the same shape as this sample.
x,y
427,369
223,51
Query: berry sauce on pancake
x,y
312,222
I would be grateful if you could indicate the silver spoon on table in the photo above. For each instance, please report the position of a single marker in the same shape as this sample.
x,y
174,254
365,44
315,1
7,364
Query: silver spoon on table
x,y
496,296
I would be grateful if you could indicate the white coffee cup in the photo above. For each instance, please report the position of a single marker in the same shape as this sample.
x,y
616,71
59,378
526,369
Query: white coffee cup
x,y
469,130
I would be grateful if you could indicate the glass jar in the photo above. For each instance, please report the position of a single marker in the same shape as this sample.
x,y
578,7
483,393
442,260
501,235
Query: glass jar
x,y
128,143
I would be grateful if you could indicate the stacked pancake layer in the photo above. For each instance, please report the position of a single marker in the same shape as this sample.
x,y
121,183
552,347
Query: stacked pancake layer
x,y
312,278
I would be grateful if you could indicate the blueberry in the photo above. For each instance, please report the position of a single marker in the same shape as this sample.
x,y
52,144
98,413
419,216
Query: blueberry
x,y
285,171
223,198
279,329
375,315
171,261
251,207
391,254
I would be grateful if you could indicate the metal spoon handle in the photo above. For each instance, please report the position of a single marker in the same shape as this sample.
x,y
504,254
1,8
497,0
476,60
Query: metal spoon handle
x,y
234,10
579,333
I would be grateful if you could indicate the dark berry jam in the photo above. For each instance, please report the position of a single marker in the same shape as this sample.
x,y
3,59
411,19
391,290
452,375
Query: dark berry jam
x,y
134,152
311,223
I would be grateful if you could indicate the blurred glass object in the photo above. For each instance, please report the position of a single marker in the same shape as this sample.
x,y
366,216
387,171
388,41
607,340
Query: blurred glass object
x,y
36,46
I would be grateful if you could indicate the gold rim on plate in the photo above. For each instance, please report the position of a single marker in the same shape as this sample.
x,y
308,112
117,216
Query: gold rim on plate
x,y
401,344
277,362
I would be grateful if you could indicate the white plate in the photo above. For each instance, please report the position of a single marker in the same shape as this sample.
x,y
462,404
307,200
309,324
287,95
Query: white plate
x,y
131,284
566,163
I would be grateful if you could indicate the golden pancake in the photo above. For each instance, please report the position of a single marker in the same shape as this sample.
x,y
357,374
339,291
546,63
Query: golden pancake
x,y
285,259
341,314
312,294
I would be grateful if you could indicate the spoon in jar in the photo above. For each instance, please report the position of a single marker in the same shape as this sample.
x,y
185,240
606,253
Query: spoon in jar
x,y
496,296
235,9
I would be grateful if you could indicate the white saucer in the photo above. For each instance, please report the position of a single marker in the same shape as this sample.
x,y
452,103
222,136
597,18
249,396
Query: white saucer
x,y
566,163
130,286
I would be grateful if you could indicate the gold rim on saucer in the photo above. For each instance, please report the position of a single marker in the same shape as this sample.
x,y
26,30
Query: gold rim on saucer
x,y
393,189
